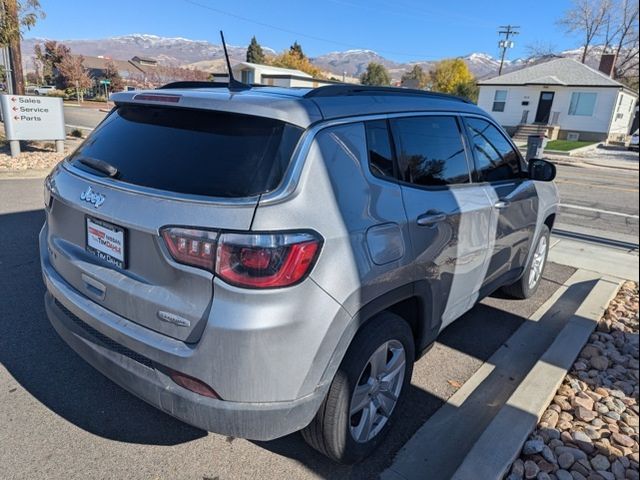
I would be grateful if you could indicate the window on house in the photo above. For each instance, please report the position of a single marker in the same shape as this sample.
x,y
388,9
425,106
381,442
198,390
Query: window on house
x,y
582,104
499,101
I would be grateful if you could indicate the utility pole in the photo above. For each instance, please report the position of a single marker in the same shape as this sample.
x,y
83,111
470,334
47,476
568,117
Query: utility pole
x,y
507,31
15,55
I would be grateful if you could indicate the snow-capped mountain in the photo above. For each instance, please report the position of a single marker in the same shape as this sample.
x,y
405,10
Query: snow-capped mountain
x,y
204,55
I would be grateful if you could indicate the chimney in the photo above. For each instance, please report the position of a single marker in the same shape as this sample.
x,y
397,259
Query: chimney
x,y
607,63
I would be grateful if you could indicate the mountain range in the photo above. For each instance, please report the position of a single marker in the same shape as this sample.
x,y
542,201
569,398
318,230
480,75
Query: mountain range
x,y
204,55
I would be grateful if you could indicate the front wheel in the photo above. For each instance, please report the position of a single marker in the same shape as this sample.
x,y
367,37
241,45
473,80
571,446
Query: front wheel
x,y
528,285
366,391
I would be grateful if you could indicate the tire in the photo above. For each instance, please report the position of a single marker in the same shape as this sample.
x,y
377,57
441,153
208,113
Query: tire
x,y
332,432
527,286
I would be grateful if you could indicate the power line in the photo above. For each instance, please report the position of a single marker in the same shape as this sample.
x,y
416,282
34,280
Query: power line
x,y
507,31
303,35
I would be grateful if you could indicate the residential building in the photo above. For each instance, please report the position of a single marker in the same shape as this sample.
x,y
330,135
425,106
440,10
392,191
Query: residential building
x,y
561,98
253,73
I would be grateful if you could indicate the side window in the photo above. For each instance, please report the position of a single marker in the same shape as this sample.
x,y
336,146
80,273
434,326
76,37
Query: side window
x,y
379,147
496,159
430,151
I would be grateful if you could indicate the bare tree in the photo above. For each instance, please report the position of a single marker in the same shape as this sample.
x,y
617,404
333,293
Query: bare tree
x,y
541,49
587,18
625,41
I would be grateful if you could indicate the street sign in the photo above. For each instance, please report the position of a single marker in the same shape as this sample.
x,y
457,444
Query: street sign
x,y
105,82
32,117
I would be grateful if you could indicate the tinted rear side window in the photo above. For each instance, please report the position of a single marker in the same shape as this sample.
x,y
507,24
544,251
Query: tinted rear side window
x,y
193,151
430,151
379,146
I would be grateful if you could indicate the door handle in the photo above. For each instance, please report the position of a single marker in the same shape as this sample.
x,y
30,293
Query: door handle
x,y
500,204
430,218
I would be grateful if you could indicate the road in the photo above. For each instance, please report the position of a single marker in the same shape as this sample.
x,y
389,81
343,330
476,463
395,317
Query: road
x,y
600,201
83,117
59,418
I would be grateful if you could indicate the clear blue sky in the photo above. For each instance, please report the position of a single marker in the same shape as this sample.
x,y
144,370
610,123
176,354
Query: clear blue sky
x,y
400,30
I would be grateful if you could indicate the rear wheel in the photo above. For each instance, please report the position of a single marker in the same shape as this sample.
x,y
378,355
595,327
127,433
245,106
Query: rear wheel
x,y
530,281
366,391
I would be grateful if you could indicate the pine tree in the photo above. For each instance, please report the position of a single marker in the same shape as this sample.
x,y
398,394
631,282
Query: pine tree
x,y
376,74
254,52
296,49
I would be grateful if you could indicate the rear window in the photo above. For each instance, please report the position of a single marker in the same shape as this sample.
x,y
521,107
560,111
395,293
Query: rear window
x,y
192,151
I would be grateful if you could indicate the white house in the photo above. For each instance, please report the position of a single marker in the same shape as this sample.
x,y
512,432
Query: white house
x,y
562,98
253,73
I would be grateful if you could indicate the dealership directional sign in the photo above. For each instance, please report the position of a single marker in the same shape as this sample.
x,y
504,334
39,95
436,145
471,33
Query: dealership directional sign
x,y
32,117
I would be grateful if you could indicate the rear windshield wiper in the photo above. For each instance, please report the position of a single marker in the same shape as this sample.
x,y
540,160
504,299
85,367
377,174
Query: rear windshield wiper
x,y
100,165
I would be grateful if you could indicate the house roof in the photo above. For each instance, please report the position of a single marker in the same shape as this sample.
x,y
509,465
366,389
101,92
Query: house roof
x,y
561,71
273,70
100,63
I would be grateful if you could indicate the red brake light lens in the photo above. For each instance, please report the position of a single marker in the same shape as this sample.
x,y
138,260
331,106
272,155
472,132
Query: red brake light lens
x,y
265,260
193,384
191,247
260,260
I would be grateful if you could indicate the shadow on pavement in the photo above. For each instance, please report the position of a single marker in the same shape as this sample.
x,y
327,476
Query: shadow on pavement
x,y
42,363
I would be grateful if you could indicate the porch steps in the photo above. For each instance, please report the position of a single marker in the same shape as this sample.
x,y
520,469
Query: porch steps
x,y
526,129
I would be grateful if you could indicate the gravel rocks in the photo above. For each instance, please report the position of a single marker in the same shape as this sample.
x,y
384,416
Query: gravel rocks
x,y
34,155
590,430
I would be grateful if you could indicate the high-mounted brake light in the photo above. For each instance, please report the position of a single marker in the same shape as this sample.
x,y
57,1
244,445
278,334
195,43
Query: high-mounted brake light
x,y
251,260
153,97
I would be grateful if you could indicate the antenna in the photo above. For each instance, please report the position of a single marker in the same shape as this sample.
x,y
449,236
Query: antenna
x,y
234,85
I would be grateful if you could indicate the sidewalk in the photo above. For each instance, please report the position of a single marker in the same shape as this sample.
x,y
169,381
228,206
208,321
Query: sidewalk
x,y
604,157
481,428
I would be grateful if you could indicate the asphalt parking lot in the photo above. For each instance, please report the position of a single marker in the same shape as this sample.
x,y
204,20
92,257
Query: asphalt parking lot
x,y
59,418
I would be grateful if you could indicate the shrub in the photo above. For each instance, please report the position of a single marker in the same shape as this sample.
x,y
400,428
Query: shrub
x,y
76,132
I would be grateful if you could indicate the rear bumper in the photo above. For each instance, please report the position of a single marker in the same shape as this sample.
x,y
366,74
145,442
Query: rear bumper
x,y
145,379
121,351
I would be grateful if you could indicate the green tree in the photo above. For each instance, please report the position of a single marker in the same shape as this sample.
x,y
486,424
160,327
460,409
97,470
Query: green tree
x,y
449,74
417,75
254,52
376,74
111,74
29,11
467,90
296,49
49,56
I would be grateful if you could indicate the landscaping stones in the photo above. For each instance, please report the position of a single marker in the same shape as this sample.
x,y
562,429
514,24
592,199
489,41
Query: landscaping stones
x,y
34,155
590,430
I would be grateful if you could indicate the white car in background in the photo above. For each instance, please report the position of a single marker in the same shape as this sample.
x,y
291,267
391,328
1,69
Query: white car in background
x,y
633,143
43,90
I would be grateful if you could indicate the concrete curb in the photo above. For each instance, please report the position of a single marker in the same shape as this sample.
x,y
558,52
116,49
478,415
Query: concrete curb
x,y
502,440
441,444
590,164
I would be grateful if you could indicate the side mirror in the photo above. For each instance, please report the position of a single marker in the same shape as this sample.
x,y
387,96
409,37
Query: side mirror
x,y
541,170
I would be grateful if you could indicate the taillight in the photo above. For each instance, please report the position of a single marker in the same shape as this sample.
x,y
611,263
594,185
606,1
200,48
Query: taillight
x,y
191,247
252,260
265,260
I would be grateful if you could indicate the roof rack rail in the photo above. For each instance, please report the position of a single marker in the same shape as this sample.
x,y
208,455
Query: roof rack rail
x,y
348,90
198,84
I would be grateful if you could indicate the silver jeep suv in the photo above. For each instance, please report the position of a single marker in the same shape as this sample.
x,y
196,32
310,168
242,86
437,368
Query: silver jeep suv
x,y
271,260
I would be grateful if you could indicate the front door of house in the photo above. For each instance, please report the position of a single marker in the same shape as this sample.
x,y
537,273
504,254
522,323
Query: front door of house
x,y
544,107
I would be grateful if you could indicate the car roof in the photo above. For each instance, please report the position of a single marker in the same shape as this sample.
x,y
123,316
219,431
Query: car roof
x,y
299,106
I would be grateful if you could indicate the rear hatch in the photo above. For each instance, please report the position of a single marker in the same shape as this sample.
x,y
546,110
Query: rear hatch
x,y
145,168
